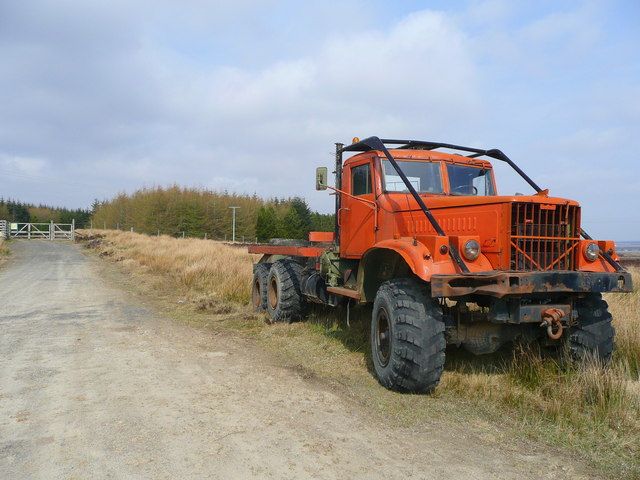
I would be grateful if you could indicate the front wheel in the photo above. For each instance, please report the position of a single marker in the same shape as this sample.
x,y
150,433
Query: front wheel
x,y
593,335
407,337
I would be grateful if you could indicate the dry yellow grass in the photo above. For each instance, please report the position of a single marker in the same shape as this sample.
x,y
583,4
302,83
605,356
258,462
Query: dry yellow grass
x,y
199,266
594,411
4,250
626,314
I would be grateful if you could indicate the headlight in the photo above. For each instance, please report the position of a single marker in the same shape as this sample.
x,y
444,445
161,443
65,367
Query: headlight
x,y
591,252
471,249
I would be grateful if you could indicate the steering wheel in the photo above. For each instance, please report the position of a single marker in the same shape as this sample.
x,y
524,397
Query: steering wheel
x,y
465,187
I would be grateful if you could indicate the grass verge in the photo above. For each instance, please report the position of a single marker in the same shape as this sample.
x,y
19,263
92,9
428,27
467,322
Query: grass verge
x,y
4,250
588,411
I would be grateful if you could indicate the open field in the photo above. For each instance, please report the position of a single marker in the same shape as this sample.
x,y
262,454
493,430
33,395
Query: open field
x,y
590,412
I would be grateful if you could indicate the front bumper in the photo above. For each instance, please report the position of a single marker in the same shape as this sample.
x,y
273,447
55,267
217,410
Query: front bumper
x,y
500,284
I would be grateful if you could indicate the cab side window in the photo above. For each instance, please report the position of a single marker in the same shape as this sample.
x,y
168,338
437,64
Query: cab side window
x,y
361,180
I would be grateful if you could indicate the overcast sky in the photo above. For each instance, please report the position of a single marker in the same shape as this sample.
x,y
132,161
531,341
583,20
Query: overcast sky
x,y
249,96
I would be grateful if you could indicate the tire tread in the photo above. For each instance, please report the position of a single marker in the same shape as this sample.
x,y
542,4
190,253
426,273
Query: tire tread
x,y
291,303
418,345
594,334
260,273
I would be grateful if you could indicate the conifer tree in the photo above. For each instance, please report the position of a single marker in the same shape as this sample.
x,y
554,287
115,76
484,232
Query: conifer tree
x,y
266,224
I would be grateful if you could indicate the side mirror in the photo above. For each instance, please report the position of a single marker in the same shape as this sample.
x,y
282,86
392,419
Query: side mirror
x,y
321,178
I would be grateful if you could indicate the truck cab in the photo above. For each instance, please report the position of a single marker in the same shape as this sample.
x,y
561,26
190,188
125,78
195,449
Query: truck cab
x,y
373,191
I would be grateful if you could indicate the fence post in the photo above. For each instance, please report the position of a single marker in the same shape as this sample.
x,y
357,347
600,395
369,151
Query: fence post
x,y
131,229
205,235
73,229
52,232
29,231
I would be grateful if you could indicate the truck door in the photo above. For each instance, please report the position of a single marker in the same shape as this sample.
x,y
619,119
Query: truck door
x,y
355,216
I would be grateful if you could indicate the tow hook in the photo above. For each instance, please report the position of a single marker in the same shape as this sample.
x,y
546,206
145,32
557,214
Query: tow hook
x,y
551,318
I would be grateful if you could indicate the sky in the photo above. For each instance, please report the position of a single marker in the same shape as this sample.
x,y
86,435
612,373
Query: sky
x,y
249,96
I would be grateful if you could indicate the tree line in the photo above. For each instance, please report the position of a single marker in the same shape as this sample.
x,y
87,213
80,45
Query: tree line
x,y
194,212
14,211
290,219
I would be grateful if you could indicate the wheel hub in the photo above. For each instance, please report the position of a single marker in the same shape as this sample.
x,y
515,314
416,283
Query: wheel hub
x,y
255,294
383,337
273,293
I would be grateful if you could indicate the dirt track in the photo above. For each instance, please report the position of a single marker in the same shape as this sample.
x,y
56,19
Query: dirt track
x,y
95,385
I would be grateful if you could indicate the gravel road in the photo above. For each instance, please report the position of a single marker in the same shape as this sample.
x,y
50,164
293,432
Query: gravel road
x,y
94,384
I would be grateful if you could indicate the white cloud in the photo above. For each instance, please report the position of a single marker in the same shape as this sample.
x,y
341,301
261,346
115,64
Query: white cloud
x,y
20,165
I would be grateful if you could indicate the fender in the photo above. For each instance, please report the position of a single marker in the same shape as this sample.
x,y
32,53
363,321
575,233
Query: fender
x,y
392,258
424,257
412,252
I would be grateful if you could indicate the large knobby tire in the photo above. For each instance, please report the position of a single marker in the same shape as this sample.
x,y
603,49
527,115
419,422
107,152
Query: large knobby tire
x,y
593,335
285,302
259,286
407,337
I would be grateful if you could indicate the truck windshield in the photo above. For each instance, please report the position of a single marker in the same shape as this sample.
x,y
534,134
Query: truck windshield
x,y
465,180
424,176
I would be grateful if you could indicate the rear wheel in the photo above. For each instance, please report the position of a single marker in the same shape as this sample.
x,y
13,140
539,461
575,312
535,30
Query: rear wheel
x,y
407,337
285,302
259,286
593,335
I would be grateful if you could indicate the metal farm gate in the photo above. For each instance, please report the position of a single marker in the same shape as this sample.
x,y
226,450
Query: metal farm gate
x,y
48,231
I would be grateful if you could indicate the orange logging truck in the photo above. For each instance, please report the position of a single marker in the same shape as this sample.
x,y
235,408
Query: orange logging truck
x,y
423,235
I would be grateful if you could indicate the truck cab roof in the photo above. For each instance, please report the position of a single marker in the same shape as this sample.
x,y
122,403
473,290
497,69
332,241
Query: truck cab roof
x,y
421,155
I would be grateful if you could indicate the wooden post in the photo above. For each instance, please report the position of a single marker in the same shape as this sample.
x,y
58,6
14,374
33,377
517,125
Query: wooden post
x,y
73,229
52,231
29,231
